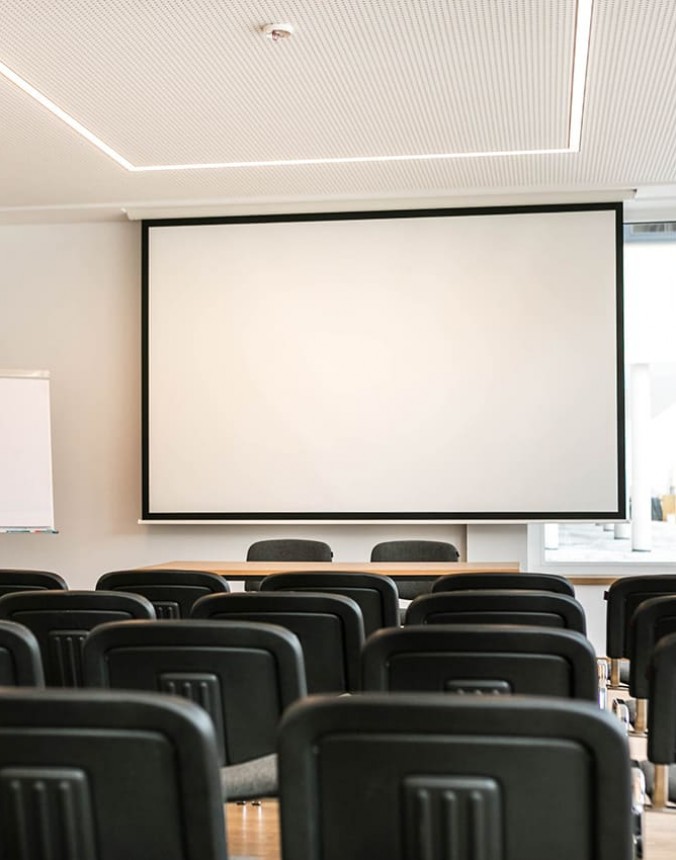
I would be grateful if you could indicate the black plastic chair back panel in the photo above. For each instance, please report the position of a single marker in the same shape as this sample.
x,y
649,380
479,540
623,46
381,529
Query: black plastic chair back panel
x,y
623,597
426,779
116,776
414,551
368,602
172,592
477,770
243,675
289,549
662,710
329,626
653,619
376,595
481,659
20,659
529,581
30,580
61,621
320,635
488,606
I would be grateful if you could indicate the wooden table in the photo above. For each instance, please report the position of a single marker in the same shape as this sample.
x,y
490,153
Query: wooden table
x,y
243,570
396,570
253,832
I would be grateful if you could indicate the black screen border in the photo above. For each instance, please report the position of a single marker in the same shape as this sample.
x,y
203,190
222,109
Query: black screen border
x,y
619,513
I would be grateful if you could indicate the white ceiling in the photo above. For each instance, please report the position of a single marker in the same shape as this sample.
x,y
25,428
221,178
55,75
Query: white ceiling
x,y
167,82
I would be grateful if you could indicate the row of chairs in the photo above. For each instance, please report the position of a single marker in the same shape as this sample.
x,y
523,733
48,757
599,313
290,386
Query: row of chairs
x,y
218,665
554,662
295,549
326,611
641,645
323,747
93,774
458,581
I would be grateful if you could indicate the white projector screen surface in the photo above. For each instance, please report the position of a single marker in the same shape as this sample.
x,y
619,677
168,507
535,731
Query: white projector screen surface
x,y
436,365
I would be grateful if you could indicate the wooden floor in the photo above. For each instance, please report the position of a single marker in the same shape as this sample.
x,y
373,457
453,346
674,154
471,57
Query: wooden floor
x,y
253,832
660,835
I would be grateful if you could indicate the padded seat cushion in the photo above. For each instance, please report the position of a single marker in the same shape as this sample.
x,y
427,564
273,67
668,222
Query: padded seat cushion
x,y
250,779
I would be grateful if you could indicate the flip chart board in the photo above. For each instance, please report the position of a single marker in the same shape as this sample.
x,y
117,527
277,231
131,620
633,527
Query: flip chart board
x,y
26,495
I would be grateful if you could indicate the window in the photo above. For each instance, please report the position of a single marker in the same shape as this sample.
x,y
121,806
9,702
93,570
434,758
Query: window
x,y
650,359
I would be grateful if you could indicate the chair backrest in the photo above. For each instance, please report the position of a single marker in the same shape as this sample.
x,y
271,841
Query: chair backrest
x,y
329,626
30,580
495,606
623,596
289,549
428,777
171,592
529,581
20,660
243,674
662,707
414,550
61,621
376,595
103,776
481,659
651,621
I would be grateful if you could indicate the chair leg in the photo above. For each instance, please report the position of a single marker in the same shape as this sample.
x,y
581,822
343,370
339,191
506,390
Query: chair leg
x,y
660,796
602,677
614,672
641,721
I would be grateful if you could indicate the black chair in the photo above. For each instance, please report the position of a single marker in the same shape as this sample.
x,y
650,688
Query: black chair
x,y
171,592
94,774
329,626
30,580
623,596
286,549
652,619
243,674
61,621
20,660
529,581
662,722
414,551
487,606
376,595
481,659
289,549
429,777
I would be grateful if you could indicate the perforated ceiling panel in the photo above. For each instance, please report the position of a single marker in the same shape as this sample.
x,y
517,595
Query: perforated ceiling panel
x,y
356,79
176,81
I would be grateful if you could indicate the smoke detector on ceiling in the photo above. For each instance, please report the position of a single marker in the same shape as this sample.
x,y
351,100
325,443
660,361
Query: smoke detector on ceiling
x,y
277,32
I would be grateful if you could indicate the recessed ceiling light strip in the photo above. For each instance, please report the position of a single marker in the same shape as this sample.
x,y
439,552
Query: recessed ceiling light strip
x,y
62,115
579,79
578,82
357,159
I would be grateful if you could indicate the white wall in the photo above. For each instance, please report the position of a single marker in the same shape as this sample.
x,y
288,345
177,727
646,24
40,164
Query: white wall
x,y
70,304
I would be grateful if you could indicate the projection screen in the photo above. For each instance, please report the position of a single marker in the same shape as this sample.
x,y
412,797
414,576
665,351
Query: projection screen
x,y
413,365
